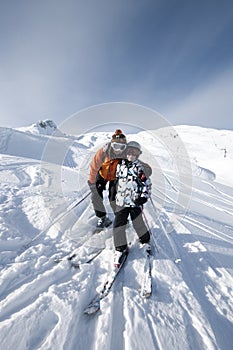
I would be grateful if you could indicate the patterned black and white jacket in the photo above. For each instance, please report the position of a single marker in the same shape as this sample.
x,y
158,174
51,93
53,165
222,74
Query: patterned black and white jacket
x,y
131,182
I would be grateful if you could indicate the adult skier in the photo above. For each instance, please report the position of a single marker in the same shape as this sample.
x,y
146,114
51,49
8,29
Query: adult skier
x,y
133,187
103,171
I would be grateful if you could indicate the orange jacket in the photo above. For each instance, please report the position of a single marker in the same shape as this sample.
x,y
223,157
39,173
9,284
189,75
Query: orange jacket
x,y
103,155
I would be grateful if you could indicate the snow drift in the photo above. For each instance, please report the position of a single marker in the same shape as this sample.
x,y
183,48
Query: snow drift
x,y
42,303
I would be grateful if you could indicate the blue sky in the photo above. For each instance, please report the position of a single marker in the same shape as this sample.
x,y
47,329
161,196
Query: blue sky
x,y
58,57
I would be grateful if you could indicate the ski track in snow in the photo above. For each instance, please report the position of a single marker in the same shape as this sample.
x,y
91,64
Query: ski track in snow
x,y
42,303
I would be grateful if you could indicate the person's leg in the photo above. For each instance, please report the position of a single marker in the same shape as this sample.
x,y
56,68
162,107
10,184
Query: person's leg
x,y
119,229
97,197
139,225
119,235
112,195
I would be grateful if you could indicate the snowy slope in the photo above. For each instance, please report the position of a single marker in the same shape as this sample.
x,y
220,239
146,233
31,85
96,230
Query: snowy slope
x,y
191,220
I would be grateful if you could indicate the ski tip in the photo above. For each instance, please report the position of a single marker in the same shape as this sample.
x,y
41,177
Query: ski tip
x,y
146,295
92,308
76,265
72,256
177,261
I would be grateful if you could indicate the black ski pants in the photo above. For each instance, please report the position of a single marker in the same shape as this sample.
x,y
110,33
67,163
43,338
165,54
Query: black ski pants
x,y
120,222
97,196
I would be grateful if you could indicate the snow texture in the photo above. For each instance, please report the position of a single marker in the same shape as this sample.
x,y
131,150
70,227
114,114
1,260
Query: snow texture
x,y
42,302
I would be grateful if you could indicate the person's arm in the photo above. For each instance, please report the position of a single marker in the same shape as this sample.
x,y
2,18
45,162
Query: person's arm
x,y
144,184
95,166
147,169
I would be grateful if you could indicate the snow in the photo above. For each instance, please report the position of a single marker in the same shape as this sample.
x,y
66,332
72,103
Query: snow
x,y
43,177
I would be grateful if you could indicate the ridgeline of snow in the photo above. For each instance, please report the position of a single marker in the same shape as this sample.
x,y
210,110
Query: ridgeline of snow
x,y
43,127
42,303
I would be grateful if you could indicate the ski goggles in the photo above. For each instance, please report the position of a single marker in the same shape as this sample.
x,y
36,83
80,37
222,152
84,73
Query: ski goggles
x,y
118,146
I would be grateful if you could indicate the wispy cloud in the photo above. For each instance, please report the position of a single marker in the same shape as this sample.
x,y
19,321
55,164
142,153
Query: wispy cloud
x,y
59,57
211,104
52,56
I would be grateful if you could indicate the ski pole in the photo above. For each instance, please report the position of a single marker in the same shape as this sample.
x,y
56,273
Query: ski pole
x,y
163,229
58,219
149,230
153,204
81,200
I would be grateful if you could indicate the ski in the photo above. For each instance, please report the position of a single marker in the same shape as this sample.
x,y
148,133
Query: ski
x,y
76,260
94,305
85,257
146,287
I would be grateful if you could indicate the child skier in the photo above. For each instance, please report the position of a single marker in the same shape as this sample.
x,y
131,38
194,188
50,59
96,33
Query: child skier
x,y
132,191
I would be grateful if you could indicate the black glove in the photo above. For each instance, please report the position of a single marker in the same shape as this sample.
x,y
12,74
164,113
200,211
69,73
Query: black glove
x,y
100,185
140,201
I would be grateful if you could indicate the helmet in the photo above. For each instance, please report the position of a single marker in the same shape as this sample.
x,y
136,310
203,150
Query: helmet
x,y
134,144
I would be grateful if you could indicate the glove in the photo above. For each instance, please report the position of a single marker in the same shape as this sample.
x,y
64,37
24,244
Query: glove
x,y
95,186
140,201
92,186
101,186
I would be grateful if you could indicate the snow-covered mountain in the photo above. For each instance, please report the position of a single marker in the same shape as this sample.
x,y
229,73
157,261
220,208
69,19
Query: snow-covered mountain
x,y
43,127
43,177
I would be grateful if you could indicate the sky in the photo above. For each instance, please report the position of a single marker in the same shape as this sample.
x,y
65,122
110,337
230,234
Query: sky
x,y
59,57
